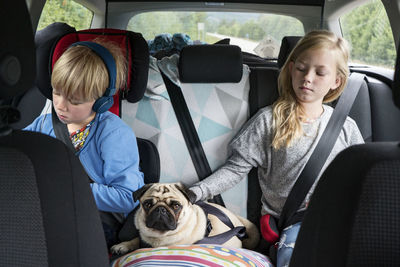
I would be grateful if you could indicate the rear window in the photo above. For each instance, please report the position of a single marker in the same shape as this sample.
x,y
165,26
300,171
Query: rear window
x,y
259,34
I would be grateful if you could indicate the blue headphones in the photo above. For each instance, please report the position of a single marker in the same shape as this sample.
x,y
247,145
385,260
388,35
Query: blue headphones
x,y
106,101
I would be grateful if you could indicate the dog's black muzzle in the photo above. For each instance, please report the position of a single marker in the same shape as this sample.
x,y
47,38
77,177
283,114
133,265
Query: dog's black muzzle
x,y
161,219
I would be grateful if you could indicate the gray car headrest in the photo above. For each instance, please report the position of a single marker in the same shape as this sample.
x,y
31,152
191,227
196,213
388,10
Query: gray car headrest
x,y
288,43
210,64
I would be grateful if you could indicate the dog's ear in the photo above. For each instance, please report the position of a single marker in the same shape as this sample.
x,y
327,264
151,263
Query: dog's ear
x,y
138,193
191,197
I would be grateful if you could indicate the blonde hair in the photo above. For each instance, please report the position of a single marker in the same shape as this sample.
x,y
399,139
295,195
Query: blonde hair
x,y
287,112
81,73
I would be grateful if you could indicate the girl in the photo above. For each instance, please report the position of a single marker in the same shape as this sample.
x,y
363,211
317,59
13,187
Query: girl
x,y
280,138
106,146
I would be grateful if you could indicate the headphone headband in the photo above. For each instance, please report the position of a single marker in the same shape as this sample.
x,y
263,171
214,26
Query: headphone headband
x,y
108,60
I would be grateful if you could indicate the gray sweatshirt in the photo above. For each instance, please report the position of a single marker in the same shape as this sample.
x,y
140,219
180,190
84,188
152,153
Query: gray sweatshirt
x,y
277,169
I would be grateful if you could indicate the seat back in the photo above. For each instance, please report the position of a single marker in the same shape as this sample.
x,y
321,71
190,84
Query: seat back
x,y
216,92
360,225
49,217
48,214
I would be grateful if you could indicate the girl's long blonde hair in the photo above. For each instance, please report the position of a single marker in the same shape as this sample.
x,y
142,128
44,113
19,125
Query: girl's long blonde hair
x,y
80,72
286,110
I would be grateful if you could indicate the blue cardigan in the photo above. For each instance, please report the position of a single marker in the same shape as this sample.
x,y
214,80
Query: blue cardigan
x,y
110,157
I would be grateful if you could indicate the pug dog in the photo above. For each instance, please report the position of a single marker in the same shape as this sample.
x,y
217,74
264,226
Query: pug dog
x,y
167,216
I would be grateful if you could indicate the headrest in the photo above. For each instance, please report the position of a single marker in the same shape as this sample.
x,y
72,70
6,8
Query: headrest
x,y
288,43
17,50
210,64
53,40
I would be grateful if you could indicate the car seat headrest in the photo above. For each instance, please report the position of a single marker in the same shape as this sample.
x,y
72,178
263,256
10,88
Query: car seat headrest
x,y
17,54
288,43
210,64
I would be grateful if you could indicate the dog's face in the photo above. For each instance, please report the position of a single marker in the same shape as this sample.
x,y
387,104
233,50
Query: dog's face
x,y
163,204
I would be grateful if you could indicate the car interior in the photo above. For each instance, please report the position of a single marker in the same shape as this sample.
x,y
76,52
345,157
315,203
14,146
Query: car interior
x,y
49,217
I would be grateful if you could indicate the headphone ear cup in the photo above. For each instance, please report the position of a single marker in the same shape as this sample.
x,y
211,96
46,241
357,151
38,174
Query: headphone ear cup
x,y
103,104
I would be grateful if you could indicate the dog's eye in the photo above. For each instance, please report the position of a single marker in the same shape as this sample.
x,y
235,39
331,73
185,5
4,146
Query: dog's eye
x,y
176,206
147,204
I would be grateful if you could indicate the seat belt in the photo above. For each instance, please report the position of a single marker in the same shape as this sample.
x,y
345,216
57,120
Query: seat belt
x,y
238,231
61,130
189,132
321,152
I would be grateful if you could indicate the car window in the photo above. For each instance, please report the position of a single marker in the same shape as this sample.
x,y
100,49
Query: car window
x,y
259,34
368,30
66,11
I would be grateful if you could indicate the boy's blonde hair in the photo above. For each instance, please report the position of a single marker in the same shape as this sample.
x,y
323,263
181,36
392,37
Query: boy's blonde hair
x,y
81,74
287,112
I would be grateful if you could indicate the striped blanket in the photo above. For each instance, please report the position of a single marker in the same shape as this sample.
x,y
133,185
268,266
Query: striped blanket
x,y
193,256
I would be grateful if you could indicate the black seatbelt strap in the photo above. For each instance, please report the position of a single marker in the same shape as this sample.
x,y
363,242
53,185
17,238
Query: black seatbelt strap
x,y
238,231
321,152
189,132
61,130
62,133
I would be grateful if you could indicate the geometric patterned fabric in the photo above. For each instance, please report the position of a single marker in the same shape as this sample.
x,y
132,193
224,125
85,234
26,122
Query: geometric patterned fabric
x,y
218,111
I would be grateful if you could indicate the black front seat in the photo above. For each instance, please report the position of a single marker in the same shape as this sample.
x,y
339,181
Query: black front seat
x,y
48,216
354,214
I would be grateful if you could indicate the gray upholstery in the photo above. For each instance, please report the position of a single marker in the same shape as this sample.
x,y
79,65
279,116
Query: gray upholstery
x,y
21,224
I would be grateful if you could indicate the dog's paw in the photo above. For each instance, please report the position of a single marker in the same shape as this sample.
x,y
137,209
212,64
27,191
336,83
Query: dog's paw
x,y
120,249
125,247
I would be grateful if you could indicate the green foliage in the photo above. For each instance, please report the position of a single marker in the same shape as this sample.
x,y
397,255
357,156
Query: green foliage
x,y
278,26
65,11
368,31
252,30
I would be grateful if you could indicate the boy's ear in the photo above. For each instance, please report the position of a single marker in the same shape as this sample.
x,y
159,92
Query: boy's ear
x,y
138,193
